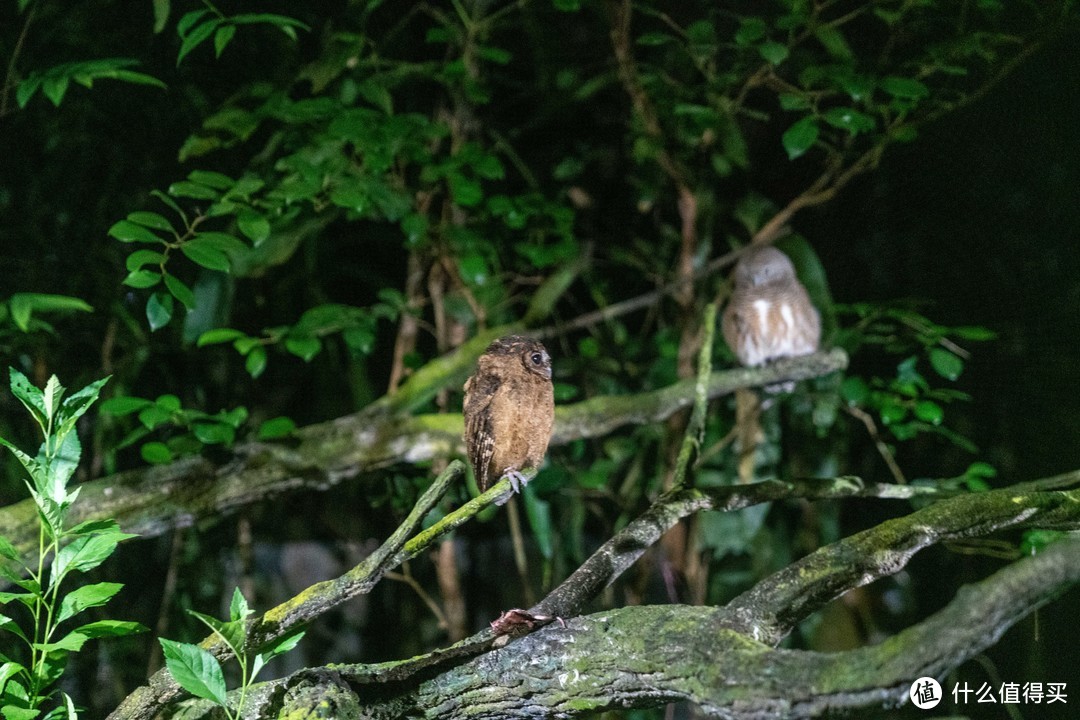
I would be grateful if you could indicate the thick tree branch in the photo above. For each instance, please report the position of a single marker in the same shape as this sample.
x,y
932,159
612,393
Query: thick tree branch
x,y
646,656
151,501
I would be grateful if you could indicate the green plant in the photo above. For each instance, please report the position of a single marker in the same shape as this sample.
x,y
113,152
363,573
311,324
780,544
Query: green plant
x,y
200,673
26,680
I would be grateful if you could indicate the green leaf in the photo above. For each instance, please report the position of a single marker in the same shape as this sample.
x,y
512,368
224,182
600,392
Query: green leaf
x,y
212,433
72,642
201,252
127,231
238,606
945,363
974,332
87,596
193,190
256,361
222,37
195,669
218,335
231,631
849,119
86,552
209,178
929,411
904,88
120,406
24,305
750,31
179,290
8,550
150,220
55,87
854,390
800,137
773,52
466,191
195,37
254,226
111,628
30,396
142,279
282,645
156,453
275,428
137,259
159,310
305,348
833,41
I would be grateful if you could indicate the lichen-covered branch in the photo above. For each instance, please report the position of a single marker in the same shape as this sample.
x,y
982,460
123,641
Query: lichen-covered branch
x,y
647,656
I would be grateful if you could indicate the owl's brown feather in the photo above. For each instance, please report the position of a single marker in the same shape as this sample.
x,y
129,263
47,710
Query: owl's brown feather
x,y
509,409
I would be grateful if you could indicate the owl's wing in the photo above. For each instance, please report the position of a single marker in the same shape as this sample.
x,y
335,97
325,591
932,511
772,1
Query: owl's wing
x,y
479,431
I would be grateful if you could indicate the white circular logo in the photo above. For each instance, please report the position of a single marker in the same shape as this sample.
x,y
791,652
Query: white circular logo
x,y
925,693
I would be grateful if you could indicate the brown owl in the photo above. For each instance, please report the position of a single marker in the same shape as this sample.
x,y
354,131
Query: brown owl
x,y
769,315
509,410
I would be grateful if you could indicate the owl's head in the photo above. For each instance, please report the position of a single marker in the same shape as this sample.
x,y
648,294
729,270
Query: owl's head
x,y
532,353
763,266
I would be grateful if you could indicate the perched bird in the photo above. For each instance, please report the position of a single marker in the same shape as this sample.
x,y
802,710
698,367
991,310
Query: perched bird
x,y
769,315
509,410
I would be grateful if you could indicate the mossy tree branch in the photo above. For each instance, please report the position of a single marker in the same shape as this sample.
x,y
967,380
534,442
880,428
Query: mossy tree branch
x,y
151,501
723,659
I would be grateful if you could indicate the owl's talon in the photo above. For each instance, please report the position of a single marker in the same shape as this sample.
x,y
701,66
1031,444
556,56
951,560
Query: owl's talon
x,y
517,480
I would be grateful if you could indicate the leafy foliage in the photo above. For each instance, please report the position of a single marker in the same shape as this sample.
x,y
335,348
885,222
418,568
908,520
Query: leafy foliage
x,y
26,680
200,673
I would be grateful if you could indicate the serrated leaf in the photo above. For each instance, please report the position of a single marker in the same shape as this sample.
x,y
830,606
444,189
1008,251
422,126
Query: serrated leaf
x,y
282,645
111,628
86,552
231,631
238,606
87,596
195,670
